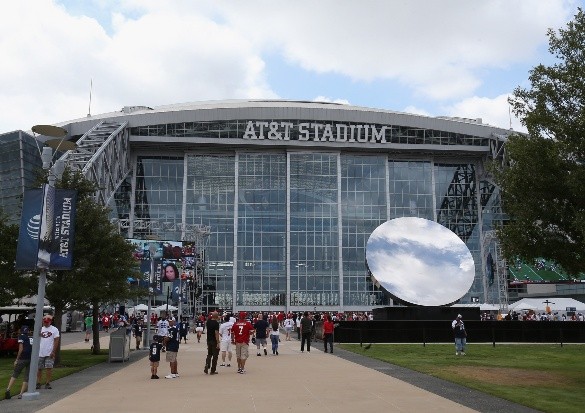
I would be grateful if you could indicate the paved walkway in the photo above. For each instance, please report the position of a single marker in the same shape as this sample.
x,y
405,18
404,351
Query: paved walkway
x,y
292,382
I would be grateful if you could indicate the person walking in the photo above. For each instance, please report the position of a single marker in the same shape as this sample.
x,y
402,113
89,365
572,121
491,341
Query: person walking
x,y
225,344
306,330
49,344
460,335
22,362
183,329
212,326
261,326
137,330
274,335
241,338
328,328
88,327
172,345
288,325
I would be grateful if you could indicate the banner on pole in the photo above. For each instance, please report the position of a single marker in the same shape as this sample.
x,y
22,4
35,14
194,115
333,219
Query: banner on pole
x,y
47,229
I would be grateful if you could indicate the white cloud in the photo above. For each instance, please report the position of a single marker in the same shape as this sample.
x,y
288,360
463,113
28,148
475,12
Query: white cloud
x,y
493,111
330,100
148,52
434,47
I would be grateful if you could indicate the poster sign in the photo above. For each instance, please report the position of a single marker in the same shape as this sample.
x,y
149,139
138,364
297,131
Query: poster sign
x,y
47,229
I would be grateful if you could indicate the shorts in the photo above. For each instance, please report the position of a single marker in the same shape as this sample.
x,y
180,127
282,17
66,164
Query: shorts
x,y
288,329
154,363
242,351
171,356
46,363
260,341
225,346
199,329
19,366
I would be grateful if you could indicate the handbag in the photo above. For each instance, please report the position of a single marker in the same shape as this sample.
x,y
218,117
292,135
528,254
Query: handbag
x,y
253,340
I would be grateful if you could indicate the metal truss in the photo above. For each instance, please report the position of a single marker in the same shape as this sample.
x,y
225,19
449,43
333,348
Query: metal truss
x,y
458,211
102,155
491,245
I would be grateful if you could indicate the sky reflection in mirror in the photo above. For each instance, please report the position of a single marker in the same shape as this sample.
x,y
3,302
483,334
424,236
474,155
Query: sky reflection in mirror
x,y
420,261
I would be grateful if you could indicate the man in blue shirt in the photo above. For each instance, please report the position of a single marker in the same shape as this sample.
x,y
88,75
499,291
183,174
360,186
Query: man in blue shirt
x,y
172,345
22,362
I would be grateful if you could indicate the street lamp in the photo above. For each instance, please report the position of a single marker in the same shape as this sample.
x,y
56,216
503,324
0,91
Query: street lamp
x,y
54,169
152,250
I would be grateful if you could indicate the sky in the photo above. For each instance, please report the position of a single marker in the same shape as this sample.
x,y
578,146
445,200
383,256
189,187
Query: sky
x,y
63,59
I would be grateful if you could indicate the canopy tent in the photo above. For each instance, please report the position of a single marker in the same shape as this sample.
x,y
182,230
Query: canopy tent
x,y
558,304
482,307
163,307
140,307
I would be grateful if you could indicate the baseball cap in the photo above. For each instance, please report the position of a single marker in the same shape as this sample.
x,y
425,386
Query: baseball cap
x,y
459,316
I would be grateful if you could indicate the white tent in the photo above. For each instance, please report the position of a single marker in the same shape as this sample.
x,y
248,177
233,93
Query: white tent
x,y
140,307
558,304
482,307
164,308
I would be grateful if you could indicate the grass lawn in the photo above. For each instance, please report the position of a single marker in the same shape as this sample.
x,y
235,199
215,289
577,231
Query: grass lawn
x,y
550,378
72,361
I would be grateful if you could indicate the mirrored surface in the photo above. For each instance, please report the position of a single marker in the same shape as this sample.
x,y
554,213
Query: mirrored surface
x,y
420,261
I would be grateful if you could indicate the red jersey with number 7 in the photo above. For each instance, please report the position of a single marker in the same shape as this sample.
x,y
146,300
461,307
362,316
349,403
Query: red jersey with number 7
x,y
241,331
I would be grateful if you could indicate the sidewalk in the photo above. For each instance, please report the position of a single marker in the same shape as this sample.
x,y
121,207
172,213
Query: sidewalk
x,y
291,381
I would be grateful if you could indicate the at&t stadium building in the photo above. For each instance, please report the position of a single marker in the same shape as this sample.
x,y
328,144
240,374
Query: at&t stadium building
x,y
283,195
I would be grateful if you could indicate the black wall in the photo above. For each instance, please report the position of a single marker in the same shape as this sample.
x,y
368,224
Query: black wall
x,y
430,331
425,313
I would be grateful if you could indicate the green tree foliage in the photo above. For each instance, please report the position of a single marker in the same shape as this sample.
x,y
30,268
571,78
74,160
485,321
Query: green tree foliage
x,y
544,183
13,284
102,259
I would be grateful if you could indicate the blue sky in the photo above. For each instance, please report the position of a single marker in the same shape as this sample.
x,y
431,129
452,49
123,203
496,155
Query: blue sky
x,y
441,57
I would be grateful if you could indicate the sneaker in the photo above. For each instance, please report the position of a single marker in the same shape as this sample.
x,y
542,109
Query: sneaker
x,y
462,353
170,376
222,365
48,386
265,352
7,395
259,355
206,370
156,377
241,371
152,376
19,396
177,375
277,352
228,365
456,353
211,373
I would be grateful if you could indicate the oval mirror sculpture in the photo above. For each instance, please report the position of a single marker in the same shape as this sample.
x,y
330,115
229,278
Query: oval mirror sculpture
x,y
420,261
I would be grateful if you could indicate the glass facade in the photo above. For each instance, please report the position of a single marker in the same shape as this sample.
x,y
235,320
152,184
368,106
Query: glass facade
x,y
19,164
289,228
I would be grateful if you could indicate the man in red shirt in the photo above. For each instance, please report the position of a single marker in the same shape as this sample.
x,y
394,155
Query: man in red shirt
x,y
328,327
241,338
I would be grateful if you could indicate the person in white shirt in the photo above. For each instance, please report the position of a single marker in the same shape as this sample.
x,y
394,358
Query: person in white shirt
x,y
225,342
288,327
48,349
162,329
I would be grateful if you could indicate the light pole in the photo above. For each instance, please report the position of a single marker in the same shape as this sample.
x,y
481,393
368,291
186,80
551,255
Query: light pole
x,y
53,171
152,250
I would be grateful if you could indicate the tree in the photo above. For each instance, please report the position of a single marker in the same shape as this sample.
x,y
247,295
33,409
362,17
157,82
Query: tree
x,y
543,188
102,259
